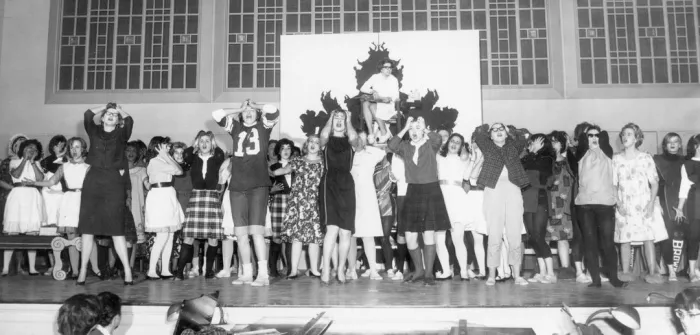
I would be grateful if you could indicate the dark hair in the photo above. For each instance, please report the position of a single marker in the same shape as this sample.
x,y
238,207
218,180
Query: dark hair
x,y
693,146
667,138
438,129
78,314
280,144
111,307
82,143
638,133
113,105
56,140
559,136
153,146
258,114
593,127
178,145
444,150
546,149
688,299
581,128
25,144
381,63
136,146
14,141
296,150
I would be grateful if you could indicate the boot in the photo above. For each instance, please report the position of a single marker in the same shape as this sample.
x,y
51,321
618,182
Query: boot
x,y
209,264
186,251
430,252
419,273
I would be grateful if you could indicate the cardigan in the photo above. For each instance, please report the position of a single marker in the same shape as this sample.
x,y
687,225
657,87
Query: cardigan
x,y
211,180
495,158
287,189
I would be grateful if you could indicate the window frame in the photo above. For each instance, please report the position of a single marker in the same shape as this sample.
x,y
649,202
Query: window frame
x,y
203,92
577,90
554,90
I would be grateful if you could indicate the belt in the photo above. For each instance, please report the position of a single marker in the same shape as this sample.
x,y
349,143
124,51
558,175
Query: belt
x,y
161,185
74,189
474,187
451,183
19,185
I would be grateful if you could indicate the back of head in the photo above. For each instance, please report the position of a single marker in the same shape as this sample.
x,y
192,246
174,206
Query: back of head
x,y
78,314
111,307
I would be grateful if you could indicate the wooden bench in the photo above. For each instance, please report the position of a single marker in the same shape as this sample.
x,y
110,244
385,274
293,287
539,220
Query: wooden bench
x,y
37,242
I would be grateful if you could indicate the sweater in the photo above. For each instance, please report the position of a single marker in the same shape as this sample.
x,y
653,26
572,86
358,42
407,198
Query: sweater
x,y
495,158
425,171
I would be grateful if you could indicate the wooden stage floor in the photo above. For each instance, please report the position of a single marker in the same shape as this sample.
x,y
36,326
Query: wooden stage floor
x,y
308,292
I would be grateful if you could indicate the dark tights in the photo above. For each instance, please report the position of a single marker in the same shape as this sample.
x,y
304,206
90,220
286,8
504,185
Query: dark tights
x,y
536,225
576,243
388,253
598,228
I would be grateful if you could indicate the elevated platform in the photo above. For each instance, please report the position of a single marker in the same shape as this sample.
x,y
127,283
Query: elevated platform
x,y
28,305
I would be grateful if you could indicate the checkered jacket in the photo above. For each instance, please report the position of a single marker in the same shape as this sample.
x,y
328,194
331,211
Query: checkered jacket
x,y
495,157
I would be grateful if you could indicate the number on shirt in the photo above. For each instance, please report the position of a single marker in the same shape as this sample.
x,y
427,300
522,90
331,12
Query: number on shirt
x,y
253,145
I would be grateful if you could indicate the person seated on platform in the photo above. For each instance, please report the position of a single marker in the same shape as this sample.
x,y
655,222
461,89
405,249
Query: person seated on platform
x,y
379,95
110,316
164,215
250,127
690,193
24,210
79,314
424,208
596,200
203,215
72,173
503,177
686,308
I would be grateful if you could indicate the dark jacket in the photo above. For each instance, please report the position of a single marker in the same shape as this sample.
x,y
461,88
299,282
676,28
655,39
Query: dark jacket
x,y
211,180
495,158
107,148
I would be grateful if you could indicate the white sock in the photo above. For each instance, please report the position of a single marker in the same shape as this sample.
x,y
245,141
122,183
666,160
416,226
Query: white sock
x,y
262,269
247,270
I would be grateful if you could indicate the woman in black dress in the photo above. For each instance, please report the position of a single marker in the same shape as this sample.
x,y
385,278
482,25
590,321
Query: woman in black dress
x,y
337,190
104,189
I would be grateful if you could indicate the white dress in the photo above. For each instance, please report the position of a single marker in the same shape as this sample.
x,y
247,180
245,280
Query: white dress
x,y
69,212
24,210
138,200
368,222
450,172
53,197
385,87
163,211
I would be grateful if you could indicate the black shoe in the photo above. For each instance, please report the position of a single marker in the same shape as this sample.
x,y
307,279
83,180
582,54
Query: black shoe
x,y
292,277
150,278
166,277
443,279
594,285
128,283
33,274
313,275
210,275
619,283
416,278
179,276
504,279
79,283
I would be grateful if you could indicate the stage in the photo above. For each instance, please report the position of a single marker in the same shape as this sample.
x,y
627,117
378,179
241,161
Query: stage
x,y
361,306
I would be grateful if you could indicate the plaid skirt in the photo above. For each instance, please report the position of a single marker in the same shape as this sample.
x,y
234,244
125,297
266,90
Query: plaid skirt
x,y
424,209
278,209
203,217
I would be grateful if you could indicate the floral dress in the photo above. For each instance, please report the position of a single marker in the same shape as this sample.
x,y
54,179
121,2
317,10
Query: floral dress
x,y
632,178
560,225
302,222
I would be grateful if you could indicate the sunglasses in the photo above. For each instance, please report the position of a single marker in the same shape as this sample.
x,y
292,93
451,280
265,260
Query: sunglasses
x,y
387,67
593,135
501,128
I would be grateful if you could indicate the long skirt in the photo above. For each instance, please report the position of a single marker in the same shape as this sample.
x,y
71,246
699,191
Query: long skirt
x,y
203,217
278,209
103,200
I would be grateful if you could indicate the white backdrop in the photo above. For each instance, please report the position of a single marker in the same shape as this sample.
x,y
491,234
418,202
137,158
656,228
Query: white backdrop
x,y
445,61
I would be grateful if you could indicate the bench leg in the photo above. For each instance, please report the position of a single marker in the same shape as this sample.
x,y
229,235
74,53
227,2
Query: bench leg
x,y
57,245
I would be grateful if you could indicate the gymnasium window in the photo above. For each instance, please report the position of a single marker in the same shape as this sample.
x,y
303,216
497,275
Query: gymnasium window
x,y
128,45
514,41
638,42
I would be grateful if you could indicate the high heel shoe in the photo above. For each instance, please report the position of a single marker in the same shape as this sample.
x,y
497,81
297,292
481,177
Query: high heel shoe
x,y
313,275
292,277
128,283
79,283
